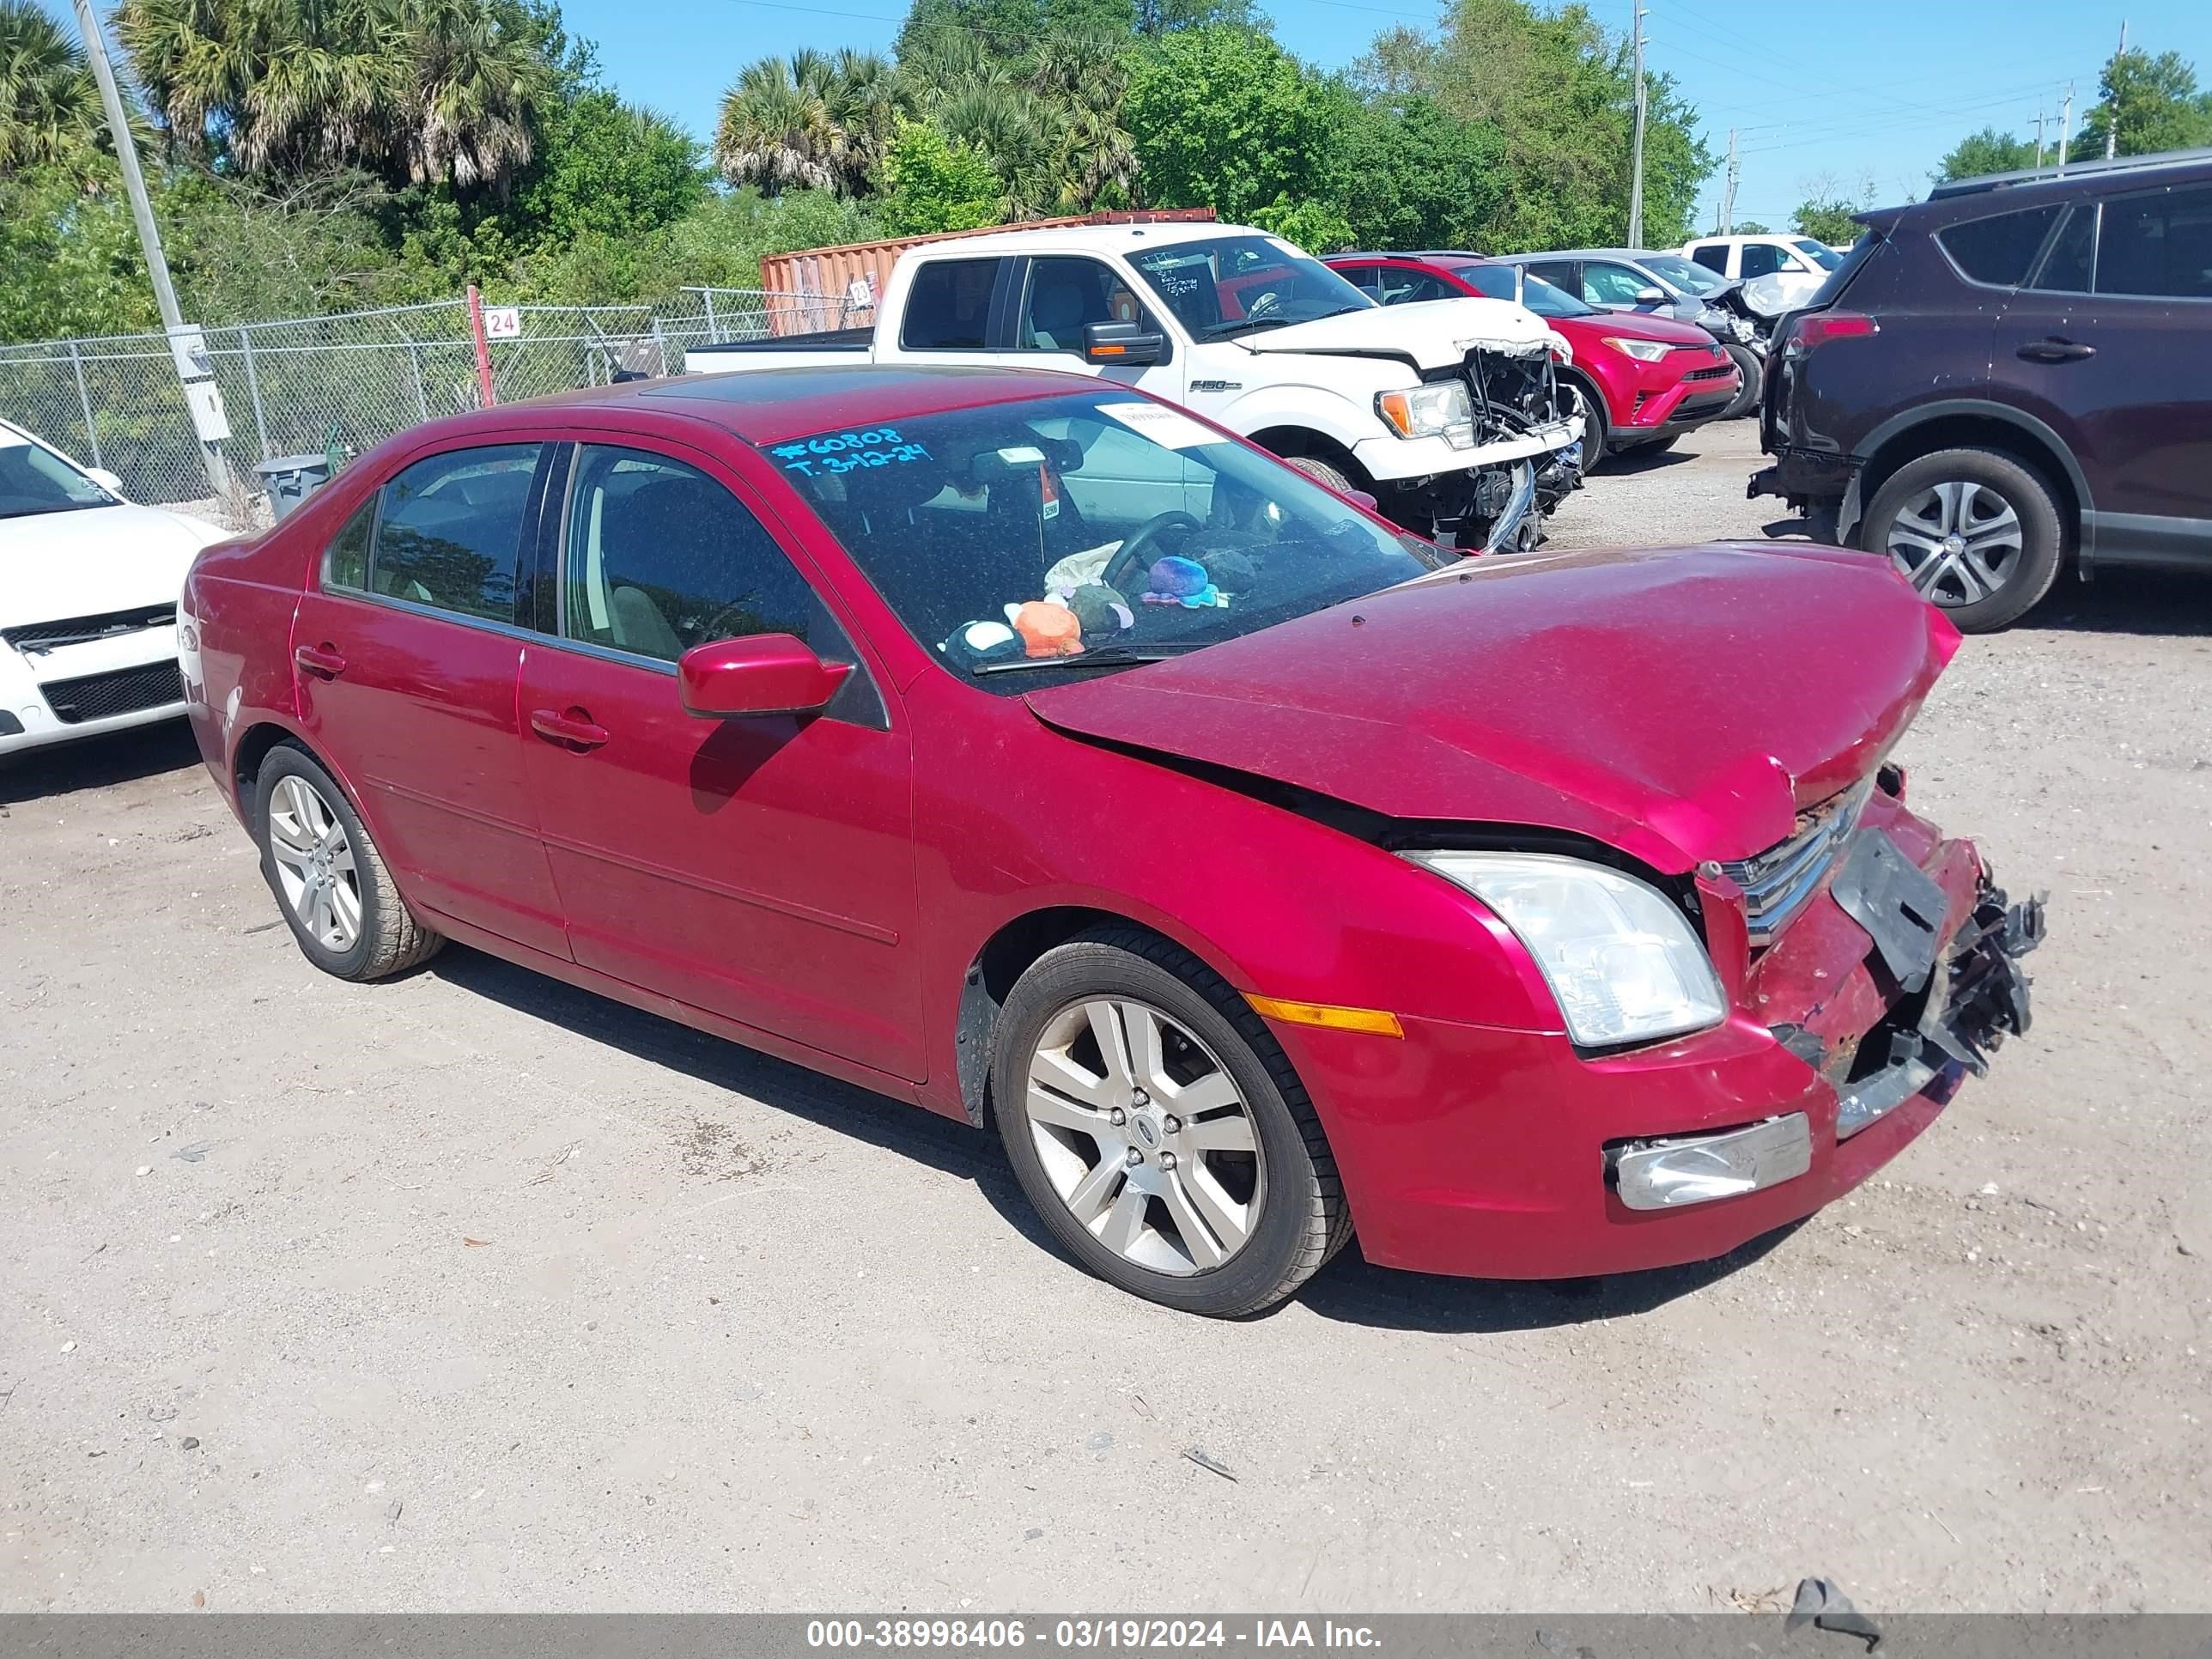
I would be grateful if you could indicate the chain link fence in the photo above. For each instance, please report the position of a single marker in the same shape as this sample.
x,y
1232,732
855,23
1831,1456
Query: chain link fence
x,y
306,385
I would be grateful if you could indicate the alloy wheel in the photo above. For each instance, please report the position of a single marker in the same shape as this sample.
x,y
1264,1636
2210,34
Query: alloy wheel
x,y
1958,542
1145,1136
314,863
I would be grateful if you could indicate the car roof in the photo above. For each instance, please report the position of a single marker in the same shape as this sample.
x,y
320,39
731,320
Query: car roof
x,y
2086,174
769,406
1086,239
1629,254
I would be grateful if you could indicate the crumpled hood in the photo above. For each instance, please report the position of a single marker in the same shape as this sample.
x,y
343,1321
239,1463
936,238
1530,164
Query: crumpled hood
x,y
1434,333
96,559
1679,704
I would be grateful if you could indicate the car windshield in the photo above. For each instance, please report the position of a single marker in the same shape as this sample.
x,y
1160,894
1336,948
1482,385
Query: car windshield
x,y
1685,275
1229,285
1066,535
1819,252
1540,296
35,480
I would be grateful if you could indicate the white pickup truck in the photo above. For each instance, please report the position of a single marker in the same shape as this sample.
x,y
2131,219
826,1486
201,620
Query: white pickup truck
x,y
1445,411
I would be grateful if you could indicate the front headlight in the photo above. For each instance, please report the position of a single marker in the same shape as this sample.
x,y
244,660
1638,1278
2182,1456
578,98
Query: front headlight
x,y
1427,411
1619,956
1645,351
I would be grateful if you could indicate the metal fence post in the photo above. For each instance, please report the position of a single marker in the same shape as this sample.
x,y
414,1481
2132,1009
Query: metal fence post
x,y
84,402
254,391
421,393
714,329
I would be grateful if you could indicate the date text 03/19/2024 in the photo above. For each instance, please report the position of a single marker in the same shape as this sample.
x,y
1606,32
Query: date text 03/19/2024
x,y
1087,1633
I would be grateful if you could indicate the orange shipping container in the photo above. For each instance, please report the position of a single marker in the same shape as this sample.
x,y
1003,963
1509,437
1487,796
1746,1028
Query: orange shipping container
x,y
838,287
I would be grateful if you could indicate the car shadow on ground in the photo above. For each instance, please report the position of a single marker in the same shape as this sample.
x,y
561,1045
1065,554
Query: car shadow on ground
x,y
1350,1289
1642,458
2126,602
99,762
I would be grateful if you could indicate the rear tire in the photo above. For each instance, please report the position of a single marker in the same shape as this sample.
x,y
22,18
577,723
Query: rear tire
x,y
1196,1163
1974,531
1752,368
331,884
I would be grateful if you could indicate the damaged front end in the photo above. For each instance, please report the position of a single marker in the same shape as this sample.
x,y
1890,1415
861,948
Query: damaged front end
x,y
1525,450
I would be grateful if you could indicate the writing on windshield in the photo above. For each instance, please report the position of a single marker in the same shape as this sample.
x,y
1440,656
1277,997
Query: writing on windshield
x,y
1229,285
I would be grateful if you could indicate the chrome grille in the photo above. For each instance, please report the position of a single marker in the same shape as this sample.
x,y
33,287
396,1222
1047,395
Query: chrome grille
x,y
1778,882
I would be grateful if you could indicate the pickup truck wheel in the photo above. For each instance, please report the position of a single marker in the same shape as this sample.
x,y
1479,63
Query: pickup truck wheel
x,y
1322,473
1974,531
1158,1130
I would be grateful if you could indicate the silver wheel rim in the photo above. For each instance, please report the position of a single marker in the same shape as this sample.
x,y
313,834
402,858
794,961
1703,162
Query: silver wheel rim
x,y
1145,1136
1957,542
314,863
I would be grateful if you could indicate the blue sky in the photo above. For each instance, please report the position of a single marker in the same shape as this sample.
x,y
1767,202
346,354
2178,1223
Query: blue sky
x,y
1873,91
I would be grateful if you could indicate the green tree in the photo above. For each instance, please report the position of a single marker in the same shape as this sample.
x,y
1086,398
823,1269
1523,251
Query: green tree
x,y
1828,220
812,121
1158,18
934,184
1227,119
1417,178
608,167
2155,103
49,105
421,91
1984,152
1751,227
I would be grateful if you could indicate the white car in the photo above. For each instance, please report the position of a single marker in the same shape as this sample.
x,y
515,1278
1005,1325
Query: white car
x,y
88,588
1779,273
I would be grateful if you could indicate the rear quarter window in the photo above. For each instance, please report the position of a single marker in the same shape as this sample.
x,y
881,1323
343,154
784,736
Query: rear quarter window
x,y
1999,250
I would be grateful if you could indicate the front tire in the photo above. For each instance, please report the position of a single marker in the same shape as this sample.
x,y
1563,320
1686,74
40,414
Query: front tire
x,y
1596,429
1322,473
331,883
1158,1130
1974,531
1752,368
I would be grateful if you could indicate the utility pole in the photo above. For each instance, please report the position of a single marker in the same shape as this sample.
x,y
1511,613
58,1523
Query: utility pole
x,y
149,239
2065,129
1728,191
1636,160
2038,140
2112,112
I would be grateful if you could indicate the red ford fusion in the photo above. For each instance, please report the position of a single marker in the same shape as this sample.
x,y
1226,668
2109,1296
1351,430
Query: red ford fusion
x,y
1640,382
1032,751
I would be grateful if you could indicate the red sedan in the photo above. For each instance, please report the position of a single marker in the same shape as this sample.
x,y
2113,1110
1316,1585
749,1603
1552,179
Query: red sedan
x,y
1034,751
1640,382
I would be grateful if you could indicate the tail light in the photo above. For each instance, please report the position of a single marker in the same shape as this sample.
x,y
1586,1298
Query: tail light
x,y
1813,328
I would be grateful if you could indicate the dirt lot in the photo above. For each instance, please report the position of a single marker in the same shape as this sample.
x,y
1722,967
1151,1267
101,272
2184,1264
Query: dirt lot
x,y
472,1291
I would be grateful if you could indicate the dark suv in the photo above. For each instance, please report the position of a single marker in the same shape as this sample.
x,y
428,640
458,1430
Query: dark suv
x,y
2015,372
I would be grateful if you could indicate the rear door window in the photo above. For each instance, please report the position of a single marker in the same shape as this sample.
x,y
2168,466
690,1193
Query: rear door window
x,y
2070,266
1999,250
449,527
1560,273
1713,256
2158,245
948,308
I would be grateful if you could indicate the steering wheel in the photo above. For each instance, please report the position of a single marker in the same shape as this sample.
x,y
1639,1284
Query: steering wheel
x,y
1136,550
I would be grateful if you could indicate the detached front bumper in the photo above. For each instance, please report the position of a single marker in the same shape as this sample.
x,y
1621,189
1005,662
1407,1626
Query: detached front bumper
x,y
1501,1154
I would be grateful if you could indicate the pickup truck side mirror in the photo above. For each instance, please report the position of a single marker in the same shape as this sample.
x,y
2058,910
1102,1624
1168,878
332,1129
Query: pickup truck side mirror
x,y
1123,342
760,674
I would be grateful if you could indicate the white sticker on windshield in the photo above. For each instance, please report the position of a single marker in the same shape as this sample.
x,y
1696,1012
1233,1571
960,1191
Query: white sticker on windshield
x,y
1171,427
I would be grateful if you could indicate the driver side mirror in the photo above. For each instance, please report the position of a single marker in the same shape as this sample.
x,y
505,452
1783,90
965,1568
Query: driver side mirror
x,y
1651,296
106,480
1123,342
761,674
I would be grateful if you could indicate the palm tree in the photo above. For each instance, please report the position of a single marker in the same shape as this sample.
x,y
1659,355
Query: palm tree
x,y
810,121
49,104
423,91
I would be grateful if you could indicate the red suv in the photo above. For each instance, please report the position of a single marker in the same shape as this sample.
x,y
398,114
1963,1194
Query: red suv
x,y
1640,382
1030,749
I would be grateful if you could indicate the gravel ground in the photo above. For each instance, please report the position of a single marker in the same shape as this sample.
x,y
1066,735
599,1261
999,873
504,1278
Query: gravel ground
x,y
472,1291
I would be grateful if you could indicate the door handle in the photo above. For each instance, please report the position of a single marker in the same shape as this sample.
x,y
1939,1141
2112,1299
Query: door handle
x,y
320,660
2055,351
573,730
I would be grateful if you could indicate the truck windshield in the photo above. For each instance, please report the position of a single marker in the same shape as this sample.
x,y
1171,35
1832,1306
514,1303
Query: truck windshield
x,y
1229,285
1074,534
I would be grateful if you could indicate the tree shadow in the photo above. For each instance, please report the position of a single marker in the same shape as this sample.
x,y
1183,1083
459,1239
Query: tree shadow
x,y
98,763
1349,1291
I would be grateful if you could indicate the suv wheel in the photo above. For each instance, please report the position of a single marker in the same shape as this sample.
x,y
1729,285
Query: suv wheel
x,y
1974,531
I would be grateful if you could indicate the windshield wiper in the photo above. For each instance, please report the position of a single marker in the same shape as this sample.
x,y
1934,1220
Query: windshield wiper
x,y
1247,325
1117,656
